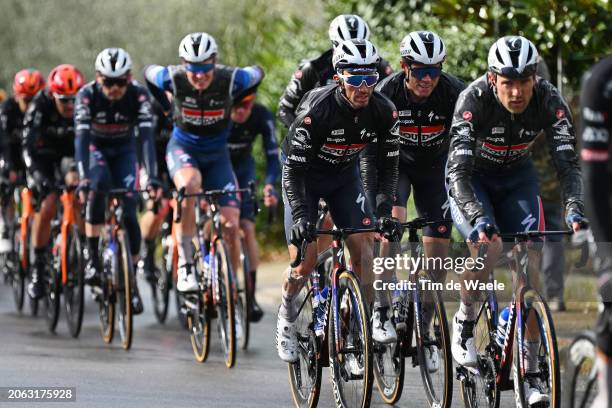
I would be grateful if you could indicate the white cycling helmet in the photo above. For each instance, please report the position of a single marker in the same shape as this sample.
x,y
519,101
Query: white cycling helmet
x,y
513,57
424,47
348,27
197,47
113,62
355,54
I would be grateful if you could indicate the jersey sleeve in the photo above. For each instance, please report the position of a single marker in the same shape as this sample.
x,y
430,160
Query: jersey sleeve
x,y
82,129
5,132
300,150
561,138
32,123
595,137
302,81
145,130
158,82
268,133
461,154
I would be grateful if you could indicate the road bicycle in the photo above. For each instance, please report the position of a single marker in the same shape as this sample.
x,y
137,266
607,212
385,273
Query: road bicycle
x,y
502,365
417,336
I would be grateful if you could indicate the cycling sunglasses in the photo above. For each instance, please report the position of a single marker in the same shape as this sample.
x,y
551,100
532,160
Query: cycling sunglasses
x,y
109,82
421,73
199,68
356,80
64,99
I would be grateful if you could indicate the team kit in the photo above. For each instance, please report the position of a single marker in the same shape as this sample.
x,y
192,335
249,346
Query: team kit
x,y
362,292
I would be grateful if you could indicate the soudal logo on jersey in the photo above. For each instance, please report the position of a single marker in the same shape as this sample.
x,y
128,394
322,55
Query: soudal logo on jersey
x,y
428,134
509,151
202,117
340,150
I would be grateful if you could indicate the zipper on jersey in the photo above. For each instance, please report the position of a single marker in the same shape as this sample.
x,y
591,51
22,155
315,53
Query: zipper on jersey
x,y
509,138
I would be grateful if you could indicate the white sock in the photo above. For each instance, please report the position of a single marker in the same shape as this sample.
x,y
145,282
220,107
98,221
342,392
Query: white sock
x,y
467,309
185,249
531,355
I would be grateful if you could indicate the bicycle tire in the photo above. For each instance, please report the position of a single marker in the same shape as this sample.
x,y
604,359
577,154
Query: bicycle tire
x,y
390,391
532,301
75,285
53,283
126,274
244,300
348,284
17,280
441,340
581,360
225,304
198,324
309,364
106,308
160,289
479,388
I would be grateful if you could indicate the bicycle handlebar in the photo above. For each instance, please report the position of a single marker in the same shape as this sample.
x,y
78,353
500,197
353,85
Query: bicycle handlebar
x,y
181,195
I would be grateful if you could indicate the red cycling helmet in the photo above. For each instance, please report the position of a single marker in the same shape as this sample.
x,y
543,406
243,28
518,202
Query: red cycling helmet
x,y
28,82
65,80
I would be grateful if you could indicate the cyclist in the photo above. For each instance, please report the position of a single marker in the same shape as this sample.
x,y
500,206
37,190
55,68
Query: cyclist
x,y
107,113
425,98
492,180
250,119
596,106
319,160
48,153
151,222
197,156
319,71
26,84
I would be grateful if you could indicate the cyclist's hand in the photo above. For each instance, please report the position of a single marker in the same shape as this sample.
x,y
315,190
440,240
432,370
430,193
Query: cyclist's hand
x,y
390,228
154,189
302,230
39,184
83,190
484,231
576,221
270,196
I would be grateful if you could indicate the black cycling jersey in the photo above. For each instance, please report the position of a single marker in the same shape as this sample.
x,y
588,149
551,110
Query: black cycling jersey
x,y
485,137
423,127
111,123
596,105
242,136
11,126
47,136
312,74
328,135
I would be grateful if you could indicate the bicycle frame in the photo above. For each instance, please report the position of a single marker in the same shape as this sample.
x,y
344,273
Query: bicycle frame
x,y
27,212
70,205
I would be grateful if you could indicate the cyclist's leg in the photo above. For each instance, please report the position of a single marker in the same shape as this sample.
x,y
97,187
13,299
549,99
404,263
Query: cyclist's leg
x,y
217,173
245,173
100,182
184,169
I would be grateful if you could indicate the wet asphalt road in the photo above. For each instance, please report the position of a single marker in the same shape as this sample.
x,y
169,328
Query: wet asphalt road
x,y
159,370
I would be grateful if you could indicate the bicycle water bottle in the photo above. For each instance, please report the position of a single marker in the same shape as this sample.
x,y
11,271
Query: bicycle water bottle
x,y
502,324
320,315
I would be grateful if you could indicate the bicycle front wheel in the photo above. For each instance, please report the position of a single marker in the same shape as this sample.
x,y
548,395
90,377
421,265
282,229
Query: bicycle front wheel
x,y
433,343
224,301
53,283
74,286
243,302
536,359
350,345
160,287
581,373
305,374
124,294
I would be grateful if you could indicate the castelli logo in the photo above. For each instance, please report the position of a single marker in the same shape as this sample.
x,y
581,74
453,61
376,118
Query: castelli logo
x,y
467,115
366,221
442,229
560,114
307,120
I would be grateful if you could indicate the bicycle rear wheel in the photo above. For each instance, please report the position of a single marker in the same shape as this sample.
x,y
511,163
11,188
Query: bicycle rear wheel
x,y
580,385
535,310
198,323
106,305
74,286
124,280
244,300
389,370
305,374
17,281
225,306
160,287
433,339
478,384
350,345
53,283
